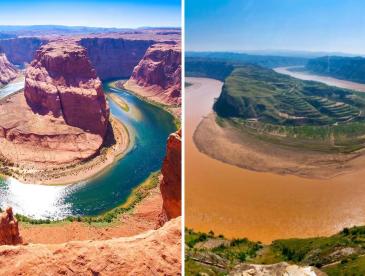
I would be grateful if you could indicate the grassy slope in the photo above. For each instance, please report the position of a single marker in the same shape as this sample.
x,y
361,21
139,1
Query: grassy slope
x,y
336,254
305,113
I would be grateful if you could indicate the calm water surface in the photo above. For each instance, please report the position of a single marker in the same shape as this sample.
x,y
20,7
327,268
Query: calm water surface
x,y
149,126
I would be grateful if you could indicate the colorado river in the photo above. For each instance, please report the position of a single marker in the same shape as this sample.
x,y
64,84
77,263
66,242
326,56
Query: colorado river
x,y
149,125
260,206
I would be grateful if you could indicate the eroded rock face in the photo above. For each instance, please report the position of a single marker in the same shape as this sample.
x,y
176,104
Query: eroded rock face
x,y
171,182
156,252
8,71
9,231
158,74
21,50
115,57
62,81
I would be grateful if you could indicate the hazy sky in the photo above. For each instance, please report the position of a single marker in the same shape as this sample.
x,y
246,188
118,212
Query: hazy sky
x,y
311,25
97,13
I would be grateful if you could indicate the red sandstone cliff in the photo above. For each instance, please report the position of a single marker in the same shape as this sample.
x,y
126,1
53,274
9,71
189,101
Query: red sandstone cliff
x,y
158,75
8,71
21,50
156,252
62,81
9,231
115,57
171,182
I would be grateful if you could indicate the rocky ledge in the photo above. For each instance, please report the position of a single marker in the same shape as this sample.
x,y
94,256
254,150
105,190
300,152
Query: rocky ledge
x,y
155,252
282,268
8,71
158,75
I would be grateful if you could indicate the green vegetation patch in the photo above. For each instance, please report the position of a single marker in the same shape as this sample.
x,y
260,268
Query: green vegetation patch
x,y
217,252
286,110
340,254
352,266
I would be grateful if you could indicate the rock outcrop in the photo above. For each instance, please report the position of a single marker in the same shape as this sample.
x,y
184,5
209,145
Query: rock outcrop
x,y
115,57
282,268
171,181
156,252
8,71
158,75
62,81
9,231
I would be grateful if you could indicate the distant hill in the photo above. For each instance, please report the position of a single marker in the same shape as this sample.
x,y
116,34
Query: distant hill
x,y
207,68
6,35
37,30
268,61
346,68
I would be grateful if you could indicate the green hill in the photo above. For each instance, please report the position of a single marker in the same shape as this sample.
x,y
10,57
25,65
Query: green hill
x,y
289,111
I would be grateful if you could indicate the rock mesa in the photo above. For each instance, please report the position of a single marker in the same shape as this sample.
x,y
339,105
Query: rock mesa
x,y
62,81
62,116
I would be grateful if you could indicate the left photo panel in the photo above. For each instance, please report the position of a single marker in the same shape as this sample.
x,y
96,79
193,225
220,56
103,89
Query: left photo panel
x,y
90,137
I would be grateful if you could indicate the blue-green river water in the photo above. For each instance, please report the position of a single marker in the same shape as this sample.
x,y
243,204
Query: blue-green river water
x,y
149,127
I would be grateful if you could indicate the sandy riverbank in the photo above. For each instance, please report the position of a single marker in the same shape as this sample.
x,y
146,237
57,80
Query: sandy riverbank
x,y
149,95
239,147
116,145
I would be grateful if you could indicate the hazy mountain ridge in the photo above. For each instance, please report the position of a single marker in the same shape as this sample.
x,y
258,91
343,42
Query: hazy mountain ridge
x,y
346,68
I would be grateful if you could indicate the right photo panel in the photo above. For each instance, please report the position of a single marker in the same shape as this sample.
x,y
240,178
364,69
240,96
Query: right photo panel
x,y
274,137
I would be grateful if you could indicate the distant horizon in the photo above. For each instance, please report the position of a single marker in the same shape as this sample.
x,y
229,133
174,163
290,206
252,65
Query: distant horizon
x,y
94,13
88,26
278,52
309,25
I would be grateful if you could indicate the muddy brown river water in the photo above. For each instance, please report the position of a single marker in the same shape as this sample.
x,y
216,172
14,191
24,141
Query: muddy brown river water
x,y
261,206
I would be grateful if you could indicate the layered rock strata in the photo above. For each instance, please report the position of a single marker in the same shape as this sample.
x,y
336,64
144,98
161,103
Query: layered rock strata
x,y
61,81
115,57
8,71
156,252
9,230
64,115
171,182
22,49
158,75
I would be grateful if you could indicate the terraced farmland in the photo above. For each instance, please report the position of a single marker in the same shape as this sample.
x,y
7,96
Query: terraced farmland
x,y
283,109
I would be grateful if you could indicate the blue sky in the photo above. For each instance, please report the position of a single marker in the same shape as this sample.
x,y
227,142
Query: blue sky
x,y
310,25
95,13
